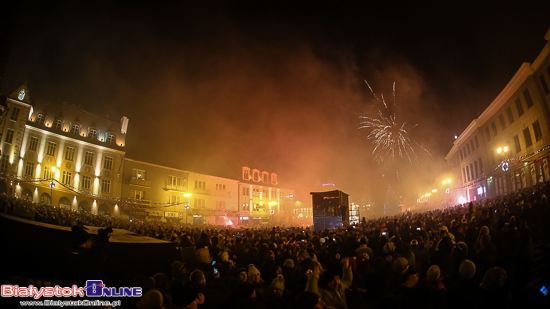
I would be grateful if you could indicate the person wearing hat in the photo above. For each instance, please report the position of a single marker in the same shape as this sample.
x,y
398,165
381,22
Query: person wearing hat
x,y
255,278
330,287
276,295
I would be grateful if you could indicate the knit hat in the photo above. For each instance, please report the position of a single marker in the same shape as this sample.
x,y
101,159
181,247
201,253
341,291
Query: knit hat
x,y
153,299
278,283
433,273
400,264
253,271
306,300
494,278
240,270
177,266
467,269
80,236
289,263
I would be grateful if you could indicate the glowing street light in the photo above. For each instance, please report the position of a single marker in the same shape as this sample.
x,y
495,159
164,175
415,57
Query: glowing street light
x,y
52,184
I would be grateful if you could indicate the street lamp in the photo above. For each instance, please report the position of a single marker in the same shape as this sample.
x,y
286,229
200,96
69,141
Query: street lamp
x,y
187,196
52,185
505,166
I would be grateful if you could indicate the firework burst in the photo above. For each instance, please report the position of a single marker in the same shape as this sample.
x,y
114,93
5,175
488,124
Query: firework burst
x,y
390,137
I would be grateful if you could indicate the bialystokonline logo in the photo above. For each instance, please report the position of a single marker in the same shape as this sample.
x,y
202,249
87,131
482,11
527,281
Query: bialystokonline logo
x,y
93,288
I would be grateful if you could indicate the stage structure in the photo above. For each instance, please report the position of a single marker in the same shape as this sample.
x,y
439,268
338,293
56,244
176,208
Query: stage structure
x,y
330,209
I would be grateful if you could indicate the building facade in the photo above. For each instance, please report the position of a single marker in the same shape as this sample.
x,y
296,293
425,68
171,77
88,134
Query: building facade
x,y
261,199
60,155
510,140
171,194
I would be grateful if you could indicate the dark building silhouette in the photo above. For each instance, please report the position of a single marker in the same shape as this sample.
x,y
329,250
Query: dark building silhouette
x,y
330,209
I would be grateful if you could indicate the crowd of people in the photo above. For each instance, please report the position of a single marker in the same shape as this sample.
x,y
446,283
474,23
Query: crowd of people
x,y
478,254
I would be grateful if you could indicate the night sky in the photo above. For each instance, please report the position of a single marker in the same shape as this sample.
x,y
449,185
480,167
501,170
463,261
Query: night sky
x,y
276,85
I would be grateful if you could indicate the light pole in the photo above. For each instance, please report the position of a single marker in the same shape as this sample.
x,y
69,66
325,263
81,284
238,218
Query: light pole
x,y
52,185
186,195
505,166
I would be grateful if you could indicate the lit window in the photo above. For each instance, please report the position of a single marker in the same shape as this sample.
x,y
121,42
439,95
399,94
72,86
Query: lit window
x,y
15,113
138,174
48,174
105,186
39,119
108,163
75,129
57,124
33,143
89,158
93,134
5,163
86,182
111,139
69,154
29,169
51,149
9,136
138,194
67,176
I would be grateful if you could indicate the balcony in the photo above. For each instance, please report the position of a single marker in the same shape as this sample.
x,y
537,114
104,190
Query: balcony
x,y
201,191
140,182
170,187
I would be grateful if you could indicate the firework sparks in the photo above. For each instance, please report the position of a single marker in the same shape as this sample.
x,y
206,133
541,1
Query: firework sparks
x,y
389,137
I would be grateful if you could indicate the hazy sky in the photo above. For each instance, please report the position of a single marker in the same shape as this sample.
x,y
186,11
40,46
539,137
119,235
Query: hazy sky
x,y
277,84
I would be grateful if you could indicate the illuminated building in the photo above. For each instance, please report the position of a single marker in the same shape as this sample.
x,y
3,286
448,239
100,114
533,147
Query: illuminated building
x,y
180,196
507,147
83,156
330,209
354,214
79,152
261,199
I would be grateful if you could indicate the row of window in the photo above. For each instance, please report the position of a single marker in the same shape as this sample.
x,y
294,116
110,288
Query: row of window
x,y
256,176
85,182
472,171
510,116
466,150
69,153
74,129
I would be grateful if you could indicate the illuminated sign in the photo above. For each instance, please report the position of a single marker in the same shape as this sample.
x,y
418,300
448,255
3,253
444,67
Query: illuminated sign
x,y
329,184
289,196
171,214
197,216
21,94
244,218
272,211
505,166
